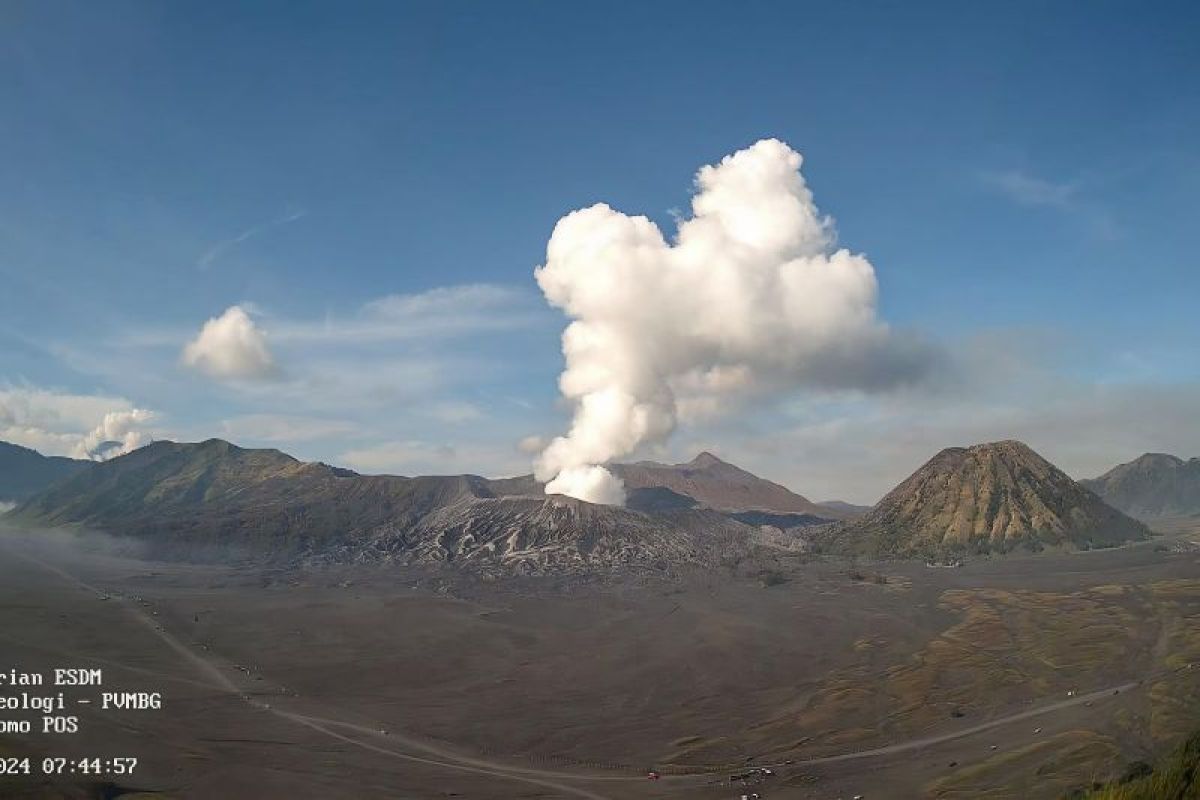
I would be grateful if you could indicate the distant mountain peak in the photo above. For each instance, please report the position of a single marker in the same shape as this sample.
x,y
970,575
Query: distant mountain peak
x,y
990,496
711,482
1007,447
706,459
1153,485
1159,458
25,472
196,500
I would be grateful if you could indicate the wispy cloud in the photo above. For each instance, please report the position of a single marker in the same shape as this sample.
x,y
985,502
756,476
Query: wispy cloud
x,y
1030,190
438,313
285,428
426,367
218,250
62,423
420,457
456,412
441,313
1069,198
1011,384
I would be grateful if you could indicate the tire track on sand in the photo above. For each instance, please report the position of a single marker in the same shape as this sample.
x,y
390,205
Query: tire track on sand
x,y
219,680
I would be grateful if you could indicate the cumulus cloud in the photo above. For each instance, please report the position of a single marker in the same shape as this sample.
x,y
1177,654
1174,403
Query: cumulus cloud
x,y
80,426
752,297
231,347
442,354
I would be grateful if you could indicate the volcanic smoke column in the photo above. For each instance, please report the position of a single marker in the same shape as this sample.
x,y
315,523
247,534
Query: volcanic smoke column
x,y
749,298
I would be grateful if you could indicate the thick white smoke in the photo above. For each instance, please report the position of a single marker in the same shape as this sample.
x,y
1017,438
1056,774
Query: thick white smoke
x,y
750,297
117,434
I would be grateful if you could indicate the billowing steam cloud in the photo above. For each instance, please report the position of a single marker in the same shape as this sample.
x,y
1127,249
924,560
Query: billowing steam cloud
x,y
94,427
117,434
750,298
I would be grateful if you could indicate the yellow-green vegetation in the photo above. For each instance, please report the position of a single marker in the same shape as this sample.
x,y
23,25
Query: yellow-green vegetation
x,y
1007,649
1175,692
989,497
1058,761
1176,778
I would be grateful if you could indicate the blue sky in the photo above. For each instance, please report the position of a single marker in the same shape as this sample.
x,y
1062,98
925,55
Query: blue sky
x,y
1023,177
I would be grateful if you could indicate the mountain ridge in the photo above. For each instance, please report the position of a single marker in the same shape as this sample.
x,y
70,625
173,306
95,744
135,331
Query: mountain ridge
x,y
1153,485
209,498
25,472
990,497
722,486
705,481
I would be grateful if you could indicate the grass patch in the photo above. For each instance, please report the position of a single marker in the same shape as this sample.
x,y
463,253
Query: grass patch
x,y
1057,763
1176,778
856,574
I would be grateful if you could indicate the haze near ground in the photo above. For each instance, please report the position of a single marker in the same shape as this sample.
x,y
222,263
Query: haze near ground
x,y
1022,675
694,674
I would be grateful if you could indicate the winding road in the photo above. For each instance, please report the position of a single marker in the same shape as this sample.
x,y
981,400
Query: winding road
x,y
566,783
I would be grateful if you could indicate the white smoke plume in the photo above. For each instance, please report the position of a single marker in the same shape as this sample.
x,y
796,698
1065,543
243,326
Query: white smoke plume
x,y
751,297
95,427
117,434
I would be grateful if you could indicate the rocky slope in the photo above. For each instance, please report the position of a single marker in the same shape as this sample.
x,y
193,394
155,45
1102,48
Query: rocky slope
x,y
1153,486
990,497
214,500
705,482
24,472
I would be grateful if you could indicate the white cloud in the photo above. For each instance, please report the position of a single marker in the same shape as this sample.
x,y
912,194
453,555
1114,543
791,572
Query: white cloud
x,y
456,412
437,313
231,347
1030,190
750,298
1011,384
419,457
413,350
80,426
1067,198
218,250
284,428
346,383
